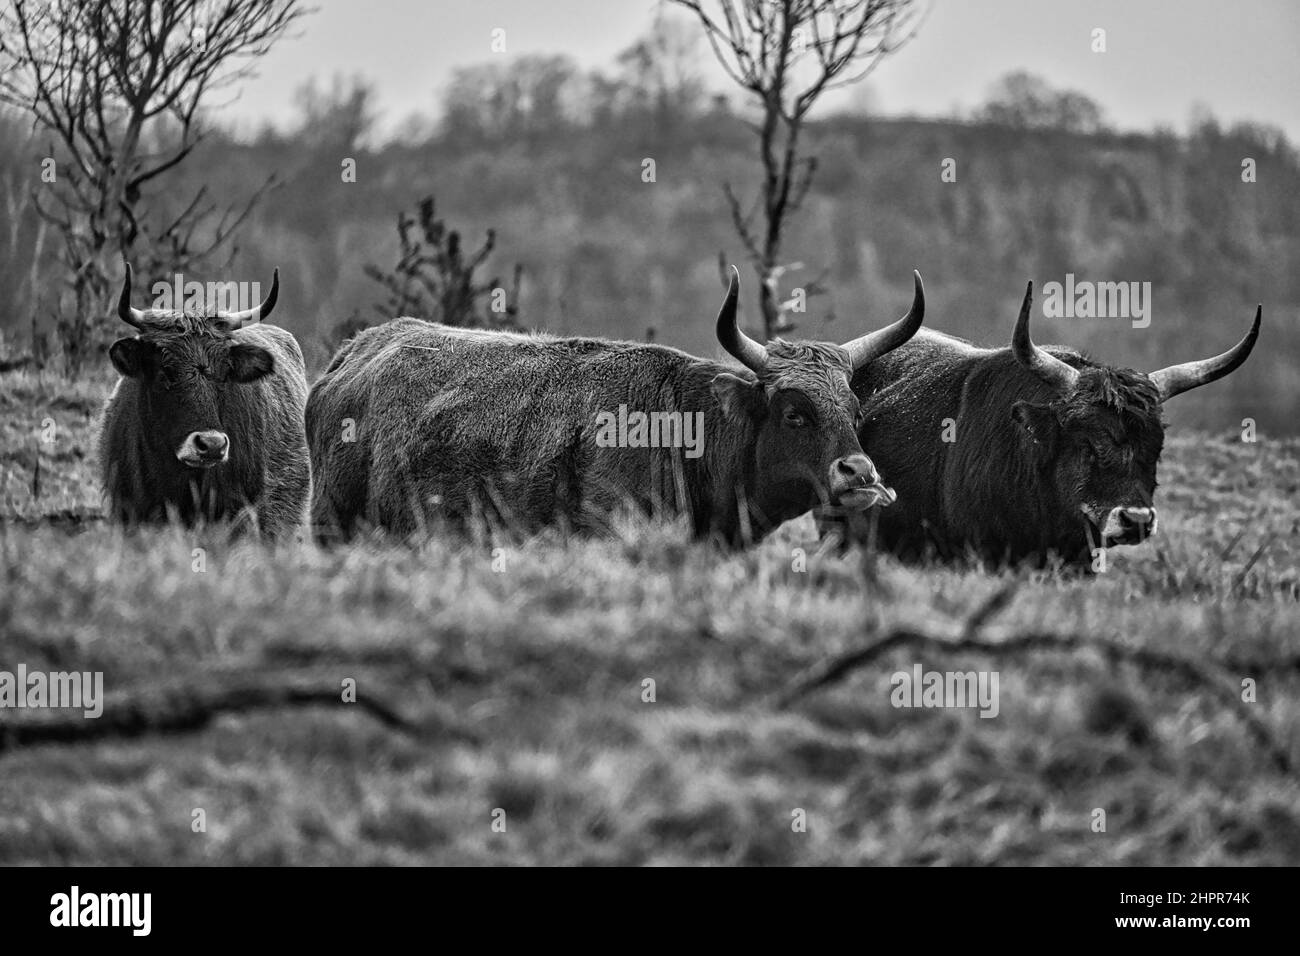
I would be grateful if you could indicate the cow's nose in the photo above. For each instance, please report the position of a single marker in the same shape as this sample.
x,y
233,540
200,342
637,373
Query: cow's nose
x,y
1137,517
852,471
205,449
210,444
1128,525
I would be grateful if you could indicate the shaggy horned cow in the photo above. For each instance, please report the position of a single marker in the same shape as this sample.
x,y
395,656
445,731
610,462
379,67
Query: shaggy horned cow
x,y
206,422
415,421
1048,451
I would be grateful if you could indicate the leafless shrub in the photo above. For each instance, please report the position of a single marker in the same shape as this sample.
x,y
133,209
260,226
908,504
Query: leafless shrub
x,y
434,277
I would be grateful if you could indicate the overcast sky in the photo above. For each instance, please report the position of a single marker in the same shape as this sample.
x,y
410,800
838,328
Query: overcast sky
x,y
1240,59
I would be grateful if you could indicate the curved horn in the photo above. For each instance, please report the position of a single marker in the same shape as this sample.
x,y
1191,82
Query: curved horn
x,y
875,344
1176,379
752,355
1043,364
127,314
258,312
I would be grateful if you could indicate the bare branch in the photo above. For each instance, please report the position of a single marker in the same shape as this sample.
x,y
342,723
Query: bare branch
x,y
788,53
1195,673
118,85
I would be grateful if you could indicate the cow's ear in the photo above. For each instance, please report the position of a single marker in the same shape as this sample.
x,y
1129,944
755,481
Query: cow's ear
x,y
248,363
129,357
1039,423
738,397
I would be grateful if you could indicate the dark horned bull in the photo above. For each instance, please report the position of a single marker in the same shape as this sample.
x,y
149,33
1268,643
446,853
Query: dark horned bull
x,y
1018,453
206,422
415,422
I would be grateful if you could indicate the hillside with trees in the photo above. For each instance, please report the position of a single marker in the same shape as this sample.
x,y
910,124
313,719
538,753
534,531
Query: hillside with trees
x,y
552,159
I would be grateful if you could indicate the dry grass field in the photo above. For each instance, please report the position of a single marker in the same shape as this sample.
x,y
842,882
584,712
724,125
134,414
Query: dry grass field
x,y
514,680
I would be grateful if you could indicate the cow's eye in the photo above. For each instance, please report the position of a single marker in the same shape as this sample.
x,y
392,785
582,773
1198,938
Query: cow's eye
x,y
795,419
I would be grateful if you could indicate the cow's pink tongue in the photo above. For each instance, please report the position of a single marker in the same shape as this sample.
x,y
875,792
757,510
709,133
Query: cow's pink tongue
x,y
871,496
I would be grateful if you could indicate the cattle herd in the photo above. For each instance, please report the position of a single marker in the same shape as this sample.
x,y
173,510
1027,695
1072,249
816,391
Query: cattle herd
x,y
1013,454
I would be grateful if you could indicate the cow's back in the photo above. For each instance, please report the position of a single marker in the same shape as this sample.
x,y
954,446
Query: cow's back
x,y
938,426
414,417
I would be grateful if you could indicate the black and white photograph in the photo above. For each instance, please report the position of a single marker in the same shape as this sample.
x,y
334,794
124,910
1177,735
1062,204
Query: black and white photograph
x,y
644,433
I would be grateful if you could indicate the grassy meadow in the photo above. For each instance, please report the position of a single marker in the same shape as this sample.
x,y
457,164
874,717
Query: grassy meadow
x,y
514,680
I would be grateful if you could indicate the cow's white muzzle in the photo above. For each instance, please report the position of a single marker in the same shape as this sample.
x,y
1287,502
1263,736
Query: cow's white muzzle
x,y
204,449
1128,525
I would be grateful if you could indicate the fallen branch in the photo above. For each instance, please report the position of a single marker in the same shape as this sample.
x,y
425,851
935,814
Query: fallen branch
x,y
842,665
186,706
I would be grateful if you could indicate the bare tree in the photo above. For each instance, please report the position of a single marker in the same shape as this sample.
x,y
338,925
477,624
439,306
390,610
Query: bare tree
x,y
787,53
118,86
